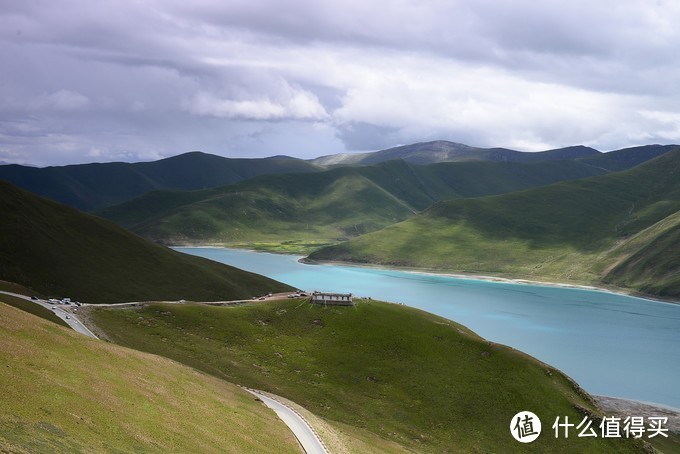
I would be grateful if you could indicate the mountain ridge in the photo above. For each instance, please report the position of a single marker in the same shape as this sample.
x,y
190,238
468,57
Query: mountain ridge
x,y
89,187
562,231
337,203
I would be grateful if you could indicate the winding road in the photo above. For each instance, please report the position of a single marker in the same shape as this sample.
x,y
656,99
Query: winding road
x,y
60,312
304,433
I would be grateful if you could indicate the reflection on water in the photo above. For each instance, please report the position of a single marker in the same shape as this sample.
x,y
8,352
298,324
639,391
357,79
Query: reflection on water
x,y
611,344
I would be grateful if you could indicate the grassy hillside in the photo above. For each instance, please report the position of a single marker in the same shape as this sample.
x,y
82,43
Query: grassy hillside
x,y
412,378
64,392
31,308
325,206
560,231
626,158
59,251
649,262
93,186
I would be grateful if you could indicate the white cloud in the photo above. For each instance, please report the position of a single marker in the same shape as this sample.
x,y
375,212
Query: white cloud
x,y
254,77
290,103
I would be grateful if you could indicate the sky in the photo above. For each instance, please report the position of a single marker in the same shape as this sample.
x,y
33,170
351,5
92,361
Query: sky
x,y
134,80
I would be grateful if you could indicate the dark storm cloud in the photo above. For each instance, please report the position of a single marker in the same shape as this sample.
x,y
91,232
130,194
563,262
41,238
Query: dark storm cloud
x,y
139,80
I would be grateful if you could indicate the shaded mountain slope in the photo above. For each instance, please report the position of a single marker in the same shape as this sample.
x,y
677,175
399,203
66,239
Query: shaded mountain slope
x,y
60,251
93,186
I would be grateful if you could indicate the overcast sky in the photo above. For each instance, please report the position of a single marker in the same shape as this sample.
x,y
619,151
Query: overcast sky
x,y
130,80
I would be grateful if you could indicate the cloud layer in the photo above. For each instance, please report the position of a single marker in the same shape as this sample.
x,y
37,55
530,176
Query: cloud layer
x,y
130,80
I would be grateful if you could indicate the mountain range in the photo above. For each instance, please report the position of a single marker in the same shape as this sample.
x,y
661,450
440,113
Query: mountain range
x,y
550,216
338,203
620,228
91,187
445,151
94,186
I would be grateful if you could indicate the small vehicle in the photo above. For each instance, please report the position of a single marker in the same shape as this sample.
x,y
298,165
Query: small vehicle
x,y
68,317
54,307
34,298
262,297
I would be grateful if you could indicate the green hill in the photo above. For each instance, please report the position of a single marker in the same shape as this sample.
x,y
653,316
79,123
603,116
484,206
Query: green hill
x,y
63,392
59,251
562,231
93,186
649,262
325,206
414,379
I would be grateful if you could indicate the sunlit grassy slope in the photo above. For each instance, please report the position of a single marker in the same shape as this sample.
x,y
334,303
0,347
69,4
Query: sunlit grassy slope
x,y
59,251
412,378
324,206
564,231
64,392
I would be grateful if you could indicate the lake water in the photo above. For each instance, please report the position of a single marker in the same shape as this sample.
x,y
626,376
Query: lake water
x,y
611,344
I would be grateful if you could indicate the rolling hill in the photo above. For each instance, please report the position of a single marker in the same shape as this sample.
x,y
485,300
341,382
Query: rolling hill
x,y
93,186
337,203
59,251
63,392
648,262
419,382
565,231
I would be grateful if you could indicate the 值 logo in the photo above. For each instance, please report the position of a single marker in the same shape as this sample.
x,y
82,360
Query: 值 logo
x,y
525,427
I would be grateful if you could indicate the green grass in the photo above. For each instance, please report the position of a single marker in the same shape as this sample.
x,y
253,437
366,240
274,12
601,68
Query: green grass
x,y
64,392
565,231
326,206
301,247
411,378
32,308
59,251
650,261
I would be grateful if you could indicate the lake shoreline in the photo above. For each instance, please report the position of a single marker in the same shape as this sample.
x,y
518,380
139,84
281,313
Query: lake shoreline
x,y
500,279
458,275
503,322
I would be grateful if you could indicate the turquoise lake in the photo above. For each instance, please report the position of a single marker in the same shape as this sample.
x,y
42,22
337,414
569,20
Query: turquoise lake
x,y
611,344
